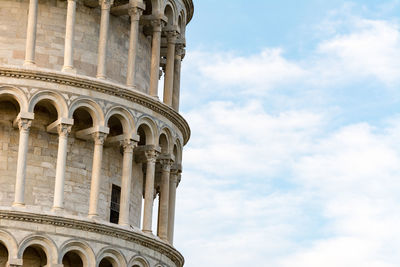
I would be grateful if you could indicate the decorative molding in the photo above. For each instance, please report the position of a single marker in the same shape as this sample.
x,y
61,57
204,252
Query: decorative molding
x,y
102,87
98,228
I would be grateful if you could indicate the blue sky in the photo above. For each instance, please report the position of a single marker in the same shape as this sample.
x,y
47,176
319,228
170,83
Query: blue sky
x,y
294,158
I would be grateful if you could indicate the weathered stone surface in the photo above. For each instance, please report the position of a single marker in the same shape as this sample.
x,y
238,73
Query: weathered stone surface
x,y
47,122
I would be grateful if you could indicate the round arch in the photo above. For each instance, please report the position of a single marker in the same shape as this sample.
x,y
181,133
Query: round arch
x,y
182,20
178,156
167,132
16,94
55,99
10,243
79,247
170,11
44,242
138,261
150,129
125,118
113,254
91,107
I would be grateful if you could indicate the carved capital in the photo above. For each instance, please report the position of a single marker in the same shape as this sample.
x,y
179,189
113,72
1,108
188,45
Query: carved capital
x,y
175,176
151,156
180,50
99,138
128,145
166,164
157,25
171,36
135,13
106,4
63,129
24,125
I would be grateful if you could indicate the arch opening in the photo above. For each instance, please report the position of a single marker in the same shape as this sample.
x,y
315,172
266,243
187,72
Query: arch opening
x,y
180,24
9,109
146,135
82,119
115,125
149,7
3,255
34,256
163,143
72,259
45,114
169,13
107,262
175,152
142,136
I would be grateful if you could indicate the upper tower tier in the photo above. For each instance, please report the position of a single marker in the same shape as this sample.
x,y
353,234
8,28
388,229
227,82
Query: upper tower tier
x,y
97,39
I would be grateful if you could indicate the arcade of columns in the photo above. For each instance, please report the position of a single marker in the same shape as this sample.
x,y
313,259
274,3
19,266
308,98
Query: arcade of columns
x,y
169,176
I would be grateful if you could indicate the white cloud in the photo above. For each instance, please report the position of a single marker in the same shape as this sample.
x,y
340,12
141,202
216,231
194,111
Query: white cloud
x,y
245,138
265,70
372,49
369,50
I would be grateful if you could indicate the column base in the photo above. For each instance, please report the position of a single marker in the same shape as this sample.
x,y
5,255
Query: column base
x,y
101,77
57,209
29,64
18,205
164,238
69,69
94,216
125,225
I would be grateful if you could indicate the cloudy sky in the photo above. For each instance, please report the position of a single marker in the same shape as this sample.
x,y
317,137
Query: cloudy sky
x,y
294,159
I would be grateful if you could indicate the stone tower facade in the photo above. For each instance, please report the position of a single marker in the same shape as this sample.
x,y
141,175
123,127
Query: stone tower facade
x,y
90,153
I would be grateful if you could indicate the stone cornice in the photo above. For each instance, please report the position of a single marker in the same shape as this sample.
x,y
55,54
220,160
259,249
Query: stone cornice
x,y
102,87
93,227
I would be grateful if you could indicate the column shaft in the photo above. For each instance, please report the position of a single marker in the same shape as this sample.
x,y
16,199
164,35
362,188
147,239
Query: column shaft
x,y
104,24
164,198
31,33
177,79
69,37
96,174
169,72
63,131
155,57
173,182
126,183
24,126
149,191
133,42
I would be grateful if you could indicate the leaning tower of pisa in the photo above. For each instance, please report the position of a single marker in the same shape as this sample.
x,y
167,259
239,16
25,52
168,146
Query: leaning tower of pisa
x,y
90,142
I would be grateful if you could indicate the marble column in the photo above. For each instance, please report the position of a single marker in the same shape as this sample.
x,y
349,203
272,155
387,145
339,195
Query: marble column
x,y
31,33
69,37
63,132
164,199
103,37
177,76
99,139
173,183
169,70
134,14
151,157
24,127
155,56
126,182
